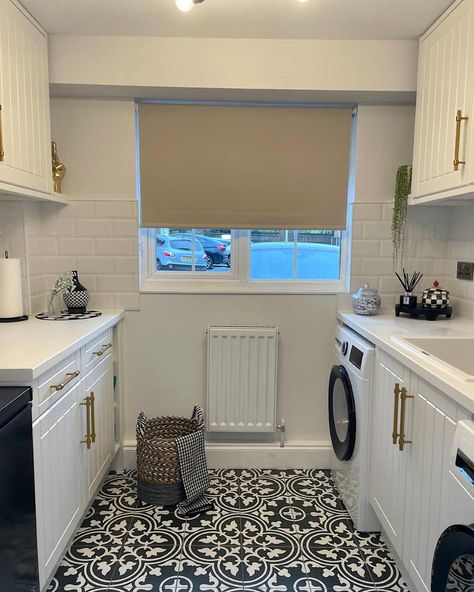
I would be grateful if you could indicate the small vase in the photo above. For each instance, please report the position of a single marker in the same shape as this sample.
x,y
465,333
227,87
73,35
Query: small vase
x,y
78,298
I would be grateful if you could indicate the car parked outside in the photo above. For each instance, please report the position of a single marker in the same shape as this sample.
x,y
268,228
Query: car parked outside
x,y
176,254
217,250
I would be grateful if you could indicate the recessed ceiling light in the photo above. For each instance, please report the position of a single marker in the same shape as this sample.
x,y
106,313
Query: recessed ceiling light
x,y
184,5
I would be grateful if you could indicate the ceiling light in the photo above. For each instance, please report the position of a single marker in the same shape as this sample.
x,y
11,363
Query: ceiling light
x,y
184,5
302,1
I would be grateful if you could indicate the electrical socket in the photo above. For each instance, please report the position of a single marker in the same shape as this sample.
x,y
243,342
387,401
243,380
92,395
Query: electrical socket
x,y
465,271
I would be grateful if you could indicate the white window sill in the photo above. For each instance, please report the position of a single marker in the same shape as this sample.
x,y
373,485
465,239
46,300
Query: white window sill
x,y
162,286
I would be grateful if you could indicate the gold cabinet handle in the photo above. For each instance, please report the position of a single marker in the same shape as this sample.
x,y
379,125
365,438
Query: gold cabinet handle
x,y
2,152
70,376
459,119
102,350
92,399
396,396
87,438
401,439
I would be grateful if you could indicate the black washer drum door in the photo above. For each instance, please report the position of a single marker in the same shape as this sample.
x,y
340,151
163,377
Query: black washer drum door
x,y
342,414
453,562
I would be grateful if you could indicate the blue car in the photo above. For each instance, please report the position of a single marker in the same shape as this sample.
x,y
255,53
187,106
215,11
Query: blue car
x,y
176,254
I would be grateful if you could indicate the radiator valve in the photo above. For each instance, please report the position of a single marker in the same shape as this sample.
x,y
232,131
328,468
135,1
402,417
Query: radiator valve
x,y
282,429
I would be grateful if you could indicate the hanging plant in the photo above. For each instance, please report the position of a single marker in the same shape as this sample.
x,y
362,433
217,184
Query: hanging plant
x,y
400,208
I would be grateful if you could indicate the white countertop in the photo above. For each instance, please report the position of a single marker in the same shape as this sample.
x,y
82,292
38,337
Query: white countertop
x,y
29,348
380,329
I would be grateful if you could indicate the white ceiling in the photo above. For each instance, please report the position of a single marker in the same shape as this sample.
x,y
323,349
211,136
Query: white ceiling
x,y
314,19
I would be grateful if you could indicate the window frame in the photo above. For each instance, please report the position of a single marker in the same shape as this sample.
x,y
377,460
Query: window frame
x,y
237,280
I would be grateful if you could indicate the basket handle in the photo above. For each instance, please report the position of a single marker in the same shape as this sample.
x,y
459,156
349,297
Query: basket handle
x,y
198,416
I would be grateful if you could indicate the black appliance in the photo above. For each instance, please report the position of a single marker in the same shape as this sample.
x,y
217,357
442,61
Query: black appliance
x,y
18,547
342,413
453,563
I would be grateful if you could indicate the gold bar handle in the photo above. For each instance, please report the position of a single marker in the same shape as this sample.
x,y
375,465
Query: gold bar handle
x,y
92,398
459,119
102,350
2,152
401,440
87,438
70,376
396,395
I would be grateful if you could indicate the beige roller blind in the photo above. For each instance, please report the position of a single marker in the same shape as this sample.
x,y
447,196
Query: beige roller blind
x,y
205,166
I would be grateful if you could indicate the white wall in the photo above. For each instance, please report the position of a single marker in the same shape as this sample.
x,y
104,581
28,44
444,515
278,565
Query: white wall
x,y
100,161
250,64
164,358
165,353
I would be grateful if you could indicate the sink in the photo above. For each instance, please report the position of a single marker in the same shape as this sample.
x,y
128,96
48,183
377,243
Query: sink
x,y
454,354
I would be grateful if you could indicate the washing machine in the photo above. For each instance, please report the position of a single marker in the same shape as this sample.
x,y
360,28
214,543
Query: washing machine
x,y
349,403
453,560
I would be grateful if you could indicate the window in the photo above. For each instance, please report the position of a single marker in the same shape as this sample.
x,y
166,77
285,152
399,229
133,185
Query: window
x,y
225,260
189,250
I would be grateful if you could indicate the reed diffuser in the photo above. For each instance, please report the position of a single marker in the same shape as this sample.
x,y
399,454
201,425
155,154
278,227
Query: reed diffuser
x,y
409,284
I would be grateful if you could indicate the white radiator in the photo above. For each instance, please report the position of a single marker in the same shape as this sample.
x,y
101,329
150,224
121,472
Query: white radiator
x,y
242,378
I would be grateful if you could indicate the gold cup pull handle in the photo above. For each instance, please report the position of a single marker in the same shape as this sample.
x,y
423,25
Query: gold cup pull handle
x,y
457,142
92,399
87,438
401,440
396,397
2,151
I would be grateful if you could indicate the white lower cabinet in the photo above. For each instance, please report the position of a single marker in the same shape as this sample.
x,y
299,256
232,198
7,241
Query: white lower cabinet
x,y
388,476
408,479
73,447
98,386
434,423
59,501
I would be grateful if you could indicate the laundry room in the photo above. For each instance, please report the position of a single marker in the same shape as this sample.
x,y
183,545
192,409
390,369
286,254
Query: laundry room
x,y
236,296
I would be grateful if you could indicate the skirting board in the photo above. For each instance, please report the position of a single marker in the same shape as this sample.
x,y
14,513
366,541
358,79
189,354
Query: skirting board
x,y
295,455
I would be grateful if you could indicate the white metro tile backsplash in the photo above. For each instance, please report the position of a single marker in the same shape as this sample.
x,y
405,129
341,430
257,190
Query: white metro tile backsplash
x,y
371,257
99,239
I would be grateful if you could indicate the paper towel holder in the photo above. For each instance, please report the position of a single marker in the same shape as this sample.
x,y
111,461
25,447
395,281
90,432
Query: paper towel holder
x,y
12,319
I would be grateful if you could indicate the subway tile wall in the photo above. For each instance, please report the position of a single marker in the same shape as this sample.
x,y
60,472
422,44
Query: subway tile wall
x,y
425,247
99,239
460,247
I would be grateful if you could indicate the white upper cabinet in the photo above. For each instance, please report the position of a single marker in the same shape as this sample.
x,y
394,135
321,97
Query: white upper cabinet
x,y
443,164
25,133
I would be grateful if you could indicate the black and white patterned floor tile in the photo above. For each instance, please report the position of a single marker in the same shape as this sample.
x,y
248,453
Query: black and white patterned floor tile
x,y
269,531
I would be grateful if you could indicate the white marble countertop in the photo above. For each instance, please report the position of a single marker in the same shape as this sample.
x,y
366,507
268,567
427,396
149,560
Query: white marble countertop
x,y
29,348
380,329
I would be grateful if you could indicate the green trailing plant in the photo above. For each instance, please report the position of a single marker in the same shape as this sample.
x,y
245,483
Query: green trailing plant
x,y
400,208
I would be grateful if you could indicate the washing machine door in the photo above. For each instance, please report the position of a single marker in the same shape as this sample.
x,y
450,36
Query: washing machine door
x,y
453,562
342,413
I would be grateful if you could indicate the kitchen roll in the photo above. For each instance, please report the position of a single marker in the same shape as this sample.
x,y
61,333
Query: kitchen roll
x,y
11,299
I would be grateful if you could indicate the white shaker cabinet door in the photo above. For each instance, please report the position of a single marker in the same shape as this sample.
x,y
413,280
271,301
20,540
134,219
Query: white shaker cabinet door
x,y
25,134
434,424
445,85
57,454
98,386
389,463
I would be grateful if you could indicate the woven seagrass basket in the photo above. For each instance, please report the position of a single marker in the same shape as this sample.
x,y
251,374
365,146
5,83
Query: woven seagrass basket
x,y
159,474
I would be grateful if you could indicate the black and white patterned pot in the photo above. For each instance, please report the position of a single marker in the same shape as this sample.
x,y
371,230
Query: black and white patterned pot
x,y
435,297
78,299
